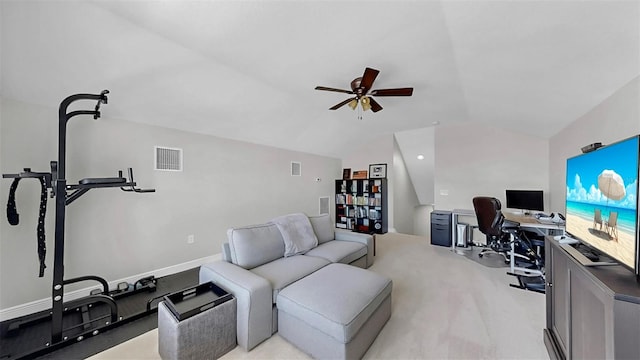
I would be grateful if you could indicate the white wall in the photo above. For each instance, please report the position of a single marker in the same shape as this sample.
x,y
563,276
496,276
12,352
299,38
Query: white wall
x,y
114,234
478,160
412,143
422,220
616,118
405,198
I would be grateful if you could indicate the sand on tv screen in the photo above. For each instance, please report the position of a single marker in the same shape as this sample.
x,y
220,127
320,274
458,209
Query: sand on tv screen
x,y
602,199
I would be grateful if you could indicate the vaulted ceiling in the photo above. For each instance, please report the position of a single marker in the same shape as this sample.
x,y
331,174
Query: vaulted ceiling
x,y
247,70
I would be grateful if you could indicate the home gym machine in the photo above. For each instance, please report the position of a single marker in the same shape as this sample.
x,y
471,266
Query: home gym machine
x,y
65,194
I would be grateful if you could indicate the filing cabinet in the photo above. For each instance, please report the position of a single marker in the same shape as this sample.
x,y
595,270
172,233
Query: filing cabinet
x,y
441,228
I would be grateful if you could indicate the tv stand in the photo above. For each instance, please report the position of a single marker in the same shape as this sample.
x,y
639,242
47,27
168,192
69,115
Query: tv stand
x,y
592,312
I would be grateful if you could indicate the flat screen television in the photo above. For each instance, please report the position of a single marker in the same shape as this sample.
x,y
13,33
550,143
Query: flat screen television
x,y
602,201
525,199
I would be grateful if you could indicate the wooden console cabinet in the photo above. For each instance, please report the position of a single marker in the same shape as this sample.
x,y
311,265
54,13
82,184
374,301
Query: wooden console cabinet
x,y
592,312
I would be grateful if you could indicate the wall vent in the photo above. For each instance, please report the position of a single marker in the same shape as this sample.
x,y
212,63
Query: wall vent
x,y
167,159
324,205
296,168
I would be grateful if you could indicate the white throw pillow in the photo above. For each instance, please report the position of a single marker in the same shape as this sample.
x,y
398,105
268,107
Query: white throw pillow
x,y
297,233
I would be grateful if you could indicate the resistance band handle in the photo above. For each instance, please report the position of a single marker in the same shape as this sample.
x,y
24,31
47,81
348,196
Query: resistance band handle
x,y
14,218
12,213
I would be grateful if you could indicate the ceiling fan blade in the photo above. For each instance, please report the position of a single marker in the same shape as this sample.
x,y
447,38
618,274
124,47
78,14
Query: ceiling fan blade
x,y
375,107
368,78
392,92
337,106
333,89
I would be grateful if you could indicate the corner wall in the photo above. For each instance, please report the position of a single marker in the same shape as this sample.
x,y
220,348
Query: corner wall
x,y
405,198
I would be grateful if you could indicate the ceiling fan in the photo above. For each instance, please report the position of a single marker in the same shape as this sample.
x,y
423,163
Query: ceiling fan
x,y
360,88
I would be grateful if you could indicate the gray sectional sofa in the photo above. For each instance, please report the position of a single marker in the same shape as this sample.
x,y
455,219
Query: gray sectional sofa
x,y
261,261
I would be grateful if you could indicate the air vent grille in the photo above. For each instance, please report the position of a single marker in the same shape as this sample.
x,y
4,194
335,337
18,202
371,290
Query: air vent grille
x,y
296,168
168,159
324,205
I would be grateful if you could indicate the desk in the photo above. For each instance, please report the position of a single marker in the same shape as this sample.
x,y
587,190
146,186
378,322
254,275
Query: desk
x,y
531,223
526,221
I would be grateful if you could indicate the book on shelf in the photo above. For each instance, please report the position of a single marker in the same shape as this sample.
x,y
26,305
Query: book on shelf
x,y
360,212
350,224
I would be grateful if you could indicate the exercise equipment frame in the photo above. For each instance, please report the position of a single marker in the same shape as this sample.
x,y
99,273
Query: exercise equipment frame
x,y
65,194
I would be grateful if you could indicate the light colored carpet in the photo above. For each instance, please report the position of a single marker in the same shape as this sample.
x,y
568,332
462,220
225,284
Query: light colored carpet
x,y
445,306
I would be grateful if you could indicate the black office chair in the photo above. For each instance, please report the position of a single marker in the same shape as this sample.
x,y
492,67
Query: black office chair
x,y
505,237
492,223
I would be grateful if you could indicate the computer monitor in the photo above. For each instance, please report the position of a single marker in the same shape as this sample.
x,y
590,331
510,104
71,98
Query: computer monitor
x,y
525,200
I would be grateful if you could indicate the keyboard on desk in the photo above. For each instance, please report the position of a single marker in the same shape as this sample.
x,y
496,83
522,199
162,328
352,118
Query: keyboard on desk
x,y
546,221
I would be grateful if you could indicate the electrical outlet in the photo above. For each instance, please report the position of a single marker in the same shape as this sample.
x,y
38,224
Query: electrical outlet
x,y
191,239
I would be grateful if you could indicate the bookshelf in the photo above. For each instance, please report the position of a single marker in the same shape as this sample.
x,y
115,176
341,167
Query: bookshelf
x,y
361,205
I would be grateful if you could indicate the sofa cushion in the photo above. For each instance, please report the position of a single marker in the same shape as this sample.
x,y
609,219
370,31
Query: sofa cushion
x,y
297,233
339,251
323,227
337,300
284,271
255,245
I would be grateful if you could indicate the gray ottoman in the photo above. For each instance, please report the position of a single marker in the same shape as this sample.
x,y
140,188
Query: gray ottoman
x,y
336,312
207,335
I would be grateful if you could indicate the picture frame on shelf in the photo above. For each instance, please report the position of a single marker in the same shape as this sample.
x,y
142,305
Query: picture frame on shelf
x,y
360,174
346,174
378,171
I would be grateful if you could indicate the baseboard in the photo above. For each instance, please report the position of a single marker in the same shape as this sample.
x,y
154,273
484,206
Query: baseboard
x,y
44,304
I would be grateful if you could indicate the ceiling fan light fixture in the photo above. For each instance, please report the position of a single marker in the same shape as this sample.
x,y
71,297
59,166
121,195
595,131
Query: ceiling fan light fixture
x,y
353,103
366,104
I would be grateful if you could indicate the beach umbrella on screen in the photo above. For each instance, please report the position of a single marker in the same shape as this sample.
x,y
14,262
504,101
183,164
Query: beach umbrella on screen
x,y
611,185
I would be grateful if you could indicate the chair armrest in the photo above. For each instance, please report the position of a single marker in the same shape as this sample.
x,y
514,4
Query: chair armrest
x,y
366,239
254,300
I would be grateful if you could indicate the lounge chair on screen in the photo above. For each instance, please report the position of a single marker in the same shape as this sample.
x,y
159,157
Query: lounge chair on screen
x,y
597,219
612,225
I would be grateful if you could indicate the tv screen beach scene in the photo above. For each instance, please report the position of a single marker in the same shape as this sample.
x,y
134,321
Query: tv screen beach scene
x,y
602,199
